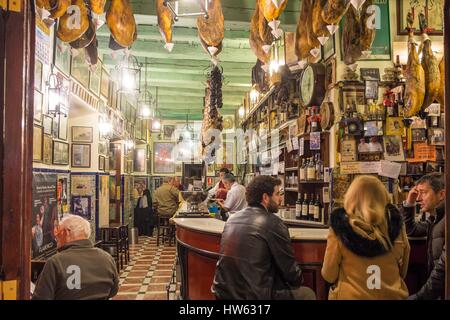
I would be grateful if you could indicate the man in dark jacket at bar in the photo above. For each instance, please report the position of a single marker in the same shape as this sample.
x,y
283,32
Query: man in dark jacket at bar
x,y
257,259
78,271
429,192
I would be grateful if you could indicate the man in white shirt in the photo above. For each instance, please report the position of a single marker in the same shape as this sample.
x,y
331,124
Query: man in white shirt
x,y
236,200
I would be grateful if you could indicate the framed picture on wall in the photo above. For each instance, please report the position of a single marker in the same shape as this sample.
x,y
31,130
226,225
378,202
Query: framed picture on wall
x,y
104,83
79,69
81,206
62,56
101,163
60,153
38,75
163,158
82,134
47,149
38,106
139,160
433,11
47,124
37,143
94,79
81,155
329,48
168,131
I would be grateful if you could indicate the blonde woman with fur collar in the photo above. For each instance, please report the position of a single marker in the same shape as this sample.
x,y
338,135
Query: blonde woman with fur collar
x,y
367,249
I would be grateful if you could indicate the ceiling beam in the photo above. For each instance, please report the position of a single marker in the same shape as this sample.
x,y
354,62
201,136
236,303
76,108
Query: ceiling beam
x,y
155,49
177,98
191,92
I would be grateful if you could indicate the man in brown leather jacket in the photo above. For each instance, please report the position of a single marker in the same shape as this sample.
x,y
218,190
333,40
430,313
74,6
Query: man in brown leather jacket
x,y
257,259
79,271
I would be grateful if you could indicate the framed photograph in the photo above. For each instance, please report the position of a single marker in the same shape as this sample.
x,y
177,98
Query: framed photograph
x,y
103,147
433,11
329,48
60,153
371,89
139,160
351,97
101,163
38,134
394,126
47,124
47,149
163,158
38,106
129,168
62,128
418,123
79,69
38,75
330,73
94,79
62,56
393,147
434,167
436,136
82,134
81,155
81,206
104,83
168,131
373,128
370,74
55,127
419,135
433,110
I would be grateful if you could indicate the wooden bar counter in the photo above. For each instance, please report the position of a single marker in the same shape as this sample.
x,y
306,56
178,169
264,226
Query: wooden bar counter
x,y
198,244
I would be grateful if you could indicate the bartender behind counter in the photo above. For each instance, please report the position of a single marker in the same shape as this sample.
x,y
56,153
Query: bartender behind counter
x,y
235,196
219,191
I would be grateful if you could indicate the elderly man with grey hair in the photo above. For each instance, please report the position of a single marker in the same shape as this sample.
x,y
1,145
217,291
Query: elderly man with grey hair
x,y
79,271
235,200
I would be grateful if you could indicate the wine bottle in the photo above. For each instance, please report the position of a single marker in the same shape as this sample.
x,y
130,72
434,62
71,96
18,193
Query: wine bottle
x,y
304,213
311,170
311,209
298,208
303,170
317,209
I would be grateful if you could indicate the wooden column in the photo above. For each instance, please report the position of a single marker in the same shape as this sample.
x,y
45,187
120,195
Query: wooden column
x,y
17,36
447,139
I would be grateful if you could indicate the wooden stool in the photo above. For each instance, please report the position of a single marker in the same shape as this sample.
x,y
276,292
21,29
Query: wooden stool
x,y
165,231
113,243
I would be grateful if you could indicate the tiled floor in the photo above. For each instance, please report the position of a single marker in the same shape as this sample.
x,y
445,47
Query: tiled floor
x,y
150,271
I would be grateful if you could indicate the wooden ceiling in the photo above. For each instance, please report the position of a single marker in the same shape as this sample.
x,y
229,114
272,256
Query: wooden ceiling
x,y
180,75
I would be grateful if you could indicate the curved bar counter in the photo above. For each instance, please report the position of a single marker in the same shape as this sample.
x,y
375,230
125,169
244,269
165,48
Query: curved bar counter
x,y
198,245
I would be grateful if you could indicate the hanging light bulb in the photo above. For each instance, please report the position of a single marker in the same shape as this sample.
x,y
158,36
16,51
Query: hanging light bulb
x,y
105,127
241,111
58,98
156,125
129,74
254,95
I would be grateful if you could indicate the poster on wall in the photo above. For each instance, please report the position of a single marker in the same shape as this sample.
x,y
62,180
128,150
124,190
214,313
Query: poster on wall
x,y
44,214
42,46
103,200
163,161
63,194
83,193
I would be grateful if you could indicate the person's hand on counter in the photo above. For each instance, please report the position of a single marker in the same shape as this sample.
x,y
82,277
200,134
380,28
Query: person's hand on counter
x,y
220,202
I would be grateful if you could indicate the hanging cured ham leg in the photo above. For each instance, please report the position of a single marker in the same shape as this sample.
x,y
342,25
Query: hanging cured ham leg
x,y
74,23
121,23
255,40
414,75
212,29
165,23
97,6
430,67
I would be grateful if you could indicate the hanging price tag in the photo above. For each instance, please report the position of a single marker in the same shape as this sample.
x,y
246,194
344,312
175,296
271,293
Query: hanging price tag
x,y
295,143
301,147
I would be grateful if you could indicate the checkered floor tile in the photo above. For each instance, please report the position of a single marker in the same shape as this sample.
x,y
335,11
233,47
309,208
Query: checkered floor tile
x,y
149,272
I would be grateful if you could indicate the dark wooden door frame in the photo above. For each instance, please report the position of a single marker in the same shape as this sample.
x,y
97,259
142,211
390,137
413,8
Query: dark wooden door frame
x,y
17,36
447,140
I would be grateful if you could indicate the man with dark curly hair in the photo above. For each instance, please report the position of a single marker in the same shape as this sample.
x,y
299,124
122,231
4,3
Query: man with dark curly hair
x,y
257,259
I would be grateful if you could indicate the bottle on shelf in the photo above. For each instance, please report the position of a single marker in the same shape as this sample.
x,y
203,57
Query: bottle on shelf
x,y
317,210
303,170
314,121
319,167
311,170
305,204
298,208
293,181
311,208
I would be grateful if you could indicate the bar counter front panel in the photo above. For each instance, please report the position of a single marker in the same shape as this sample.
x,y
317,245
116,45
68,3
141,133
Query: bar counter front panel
x,y
198,244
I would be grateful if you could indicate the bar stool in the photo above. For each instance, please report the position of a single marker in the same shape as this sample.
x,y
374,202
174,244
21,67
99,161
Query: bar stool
x,y
165,231
124,244
112,242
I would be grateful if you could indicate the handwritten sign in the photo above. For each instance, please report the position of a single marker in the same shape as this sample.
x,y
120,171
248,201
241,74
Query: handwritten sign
x,y
423,152
390,169
356,167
